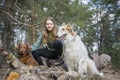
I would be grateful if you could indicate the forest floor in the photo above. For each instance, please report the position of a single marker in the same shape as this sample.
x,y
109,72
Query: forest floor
x,y
109,73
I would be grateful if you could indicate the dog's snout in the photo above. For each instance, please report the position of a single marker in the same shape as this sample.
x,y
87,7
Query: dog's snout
x,y
56,36
21,51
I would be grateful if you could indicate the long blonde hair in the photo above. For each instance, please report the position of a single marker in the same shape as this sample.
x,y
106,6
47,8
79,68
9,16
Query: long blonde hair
x,y
46,33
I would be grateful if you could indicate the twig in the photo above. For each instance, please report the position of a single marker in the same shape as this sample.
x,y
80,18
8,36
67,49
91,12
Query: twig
x,y
17,5
20,21
115,68
51,72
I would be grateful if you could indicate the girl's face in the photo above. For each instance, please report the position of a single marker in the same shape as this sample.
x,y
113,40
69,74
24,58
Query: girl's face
x,y
49,25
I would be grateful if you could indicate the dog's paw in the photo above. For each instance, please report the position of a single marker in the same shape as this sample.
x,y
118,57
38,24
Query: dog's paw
x,y
101,74
30,67
72,74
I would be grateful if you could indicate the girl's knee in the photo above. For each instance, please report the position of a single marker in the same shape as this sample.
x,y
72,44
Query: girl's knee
x,y
33,53
57,43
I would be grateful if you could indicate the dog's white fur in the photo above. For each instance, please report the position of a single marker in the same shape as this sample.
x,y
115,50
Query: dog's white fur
x,y
75,53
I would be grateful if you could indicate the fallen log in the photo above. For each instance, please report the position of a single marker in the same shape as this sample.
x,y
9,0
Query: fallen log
x,y
102,61
25,72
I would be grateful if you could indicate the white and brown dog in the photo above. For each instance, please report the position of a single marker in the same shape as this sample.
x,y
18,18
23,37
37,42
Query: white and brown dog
x,y
75,53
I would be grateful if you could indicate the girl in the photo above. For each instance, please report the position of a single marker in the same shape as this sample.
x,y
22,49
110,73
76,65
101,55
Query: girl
x,y
47,44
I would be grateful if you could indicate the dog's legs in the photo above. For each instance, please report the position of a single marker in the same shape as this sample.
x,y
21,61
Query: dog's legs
x,y
93,69
82,68
71,72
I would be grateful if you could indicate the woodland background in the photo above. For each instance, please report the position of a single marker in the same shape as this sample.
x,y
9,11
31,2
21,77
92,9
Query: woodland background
x,y
98,21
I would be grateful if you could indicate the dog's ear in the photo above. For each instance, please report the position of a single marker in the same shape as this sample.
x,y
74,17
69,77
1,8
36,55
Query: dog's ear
x,y
69,25
28,48
70,29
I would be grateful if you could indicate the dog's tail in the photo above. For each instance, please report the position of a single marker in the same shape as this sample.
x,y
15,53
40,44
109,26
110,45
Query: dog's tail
x,y
92,69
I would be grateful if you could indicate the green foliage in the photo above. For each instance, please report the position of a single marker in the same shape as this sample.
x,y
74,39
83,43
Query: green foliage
x,y
108,28
62,10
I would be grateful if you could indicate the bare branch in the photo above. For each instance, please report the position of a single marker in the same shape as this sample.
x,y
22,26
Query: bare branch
x,y
16,19
16,2
17,5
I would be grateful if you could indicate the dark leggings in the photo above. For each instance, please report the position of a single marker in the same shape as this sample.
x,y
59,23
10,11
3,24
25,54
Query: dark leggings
x,y
44,52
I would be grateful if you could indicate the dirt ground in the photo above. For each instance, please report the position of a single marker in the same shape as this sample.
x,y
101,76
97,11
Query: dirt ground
x,y
109,73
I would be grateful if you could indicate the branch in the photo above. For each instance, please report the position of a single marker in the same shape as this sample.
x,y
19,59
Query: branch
x,y
39,23
20,21
16,19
